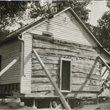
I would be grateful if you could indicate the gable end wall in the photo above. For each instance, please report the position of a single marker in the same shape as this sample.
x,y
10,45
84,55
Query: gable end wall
x,y
65,27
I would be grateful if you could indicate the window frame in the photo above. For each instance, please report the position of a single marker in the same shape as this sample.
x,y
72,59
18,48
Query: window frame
x,y
65,59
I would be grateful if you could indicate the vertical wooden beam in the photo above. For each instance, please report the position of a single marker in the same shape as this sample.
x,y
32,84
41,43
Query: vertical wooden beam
x,y
11,88
52,82
3,89
50,103
34,104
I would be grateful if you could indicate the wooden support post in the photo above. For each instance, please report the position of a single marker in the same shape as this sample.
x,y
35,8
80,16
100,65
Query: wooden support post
x,y
2,89
97,99
34,103
11,88
52,82
92,69
50,103
104,72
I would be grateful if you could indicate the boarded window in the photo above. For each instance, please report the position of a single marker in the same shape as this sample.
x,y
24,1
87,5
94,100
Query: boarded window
x,y
65,74
0,62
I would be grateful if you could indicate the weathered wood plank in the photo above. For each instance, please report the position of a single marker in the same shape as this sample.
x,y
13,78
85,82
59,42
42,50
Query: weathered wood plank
x,y
53,94
47,87
41,40
83,75
81,95
76,60
46,61
49,66
43,94
86,88
38,73
55,63
75,68
41,73
66,53
43,80
80,81
75,81
43,45
83,69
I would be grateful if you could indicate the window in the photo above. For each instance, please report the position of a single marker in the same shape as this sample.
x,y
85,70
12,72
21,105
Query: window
x,y
65,75
0,62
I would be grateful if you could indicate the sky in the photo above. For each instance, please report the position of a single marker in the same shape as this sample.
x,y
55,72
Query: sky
x,y
97,10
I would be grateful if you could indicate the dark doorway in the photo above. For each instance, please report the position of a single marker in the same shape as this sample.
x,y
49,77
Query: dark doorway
x,y
65,74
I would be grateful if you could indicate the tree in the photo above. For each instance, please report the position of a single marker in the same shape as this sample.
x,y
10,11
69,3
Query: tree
x,y
102,30
15,14
20,13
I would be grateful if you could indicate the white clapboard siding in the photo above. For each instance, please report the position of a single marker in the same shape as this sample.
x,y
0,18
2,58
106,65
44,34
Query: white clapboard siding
x,y
65,27
10,50
26,79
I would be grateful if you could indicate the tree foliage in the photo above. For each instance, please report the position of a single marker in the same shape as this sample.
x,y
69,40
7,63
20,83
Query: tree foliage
x,y
102,31
19,13
10,12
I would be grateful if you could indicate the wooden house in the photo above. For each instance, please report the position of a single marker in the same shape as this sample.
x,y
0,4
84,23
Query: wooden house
x,y
68,50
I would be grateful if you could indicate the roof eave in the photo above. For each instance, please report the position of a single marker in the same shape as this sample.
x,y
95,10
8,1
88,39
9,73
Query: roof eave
x,y
20,30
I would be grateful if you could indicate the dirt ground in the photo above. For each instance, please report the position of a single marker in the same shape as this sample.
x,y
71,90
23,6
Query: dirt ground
x,y
102,106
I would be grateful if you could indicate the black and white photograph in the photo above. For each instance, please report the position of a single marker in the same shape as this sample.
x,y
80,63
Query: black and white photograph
x,y
55,55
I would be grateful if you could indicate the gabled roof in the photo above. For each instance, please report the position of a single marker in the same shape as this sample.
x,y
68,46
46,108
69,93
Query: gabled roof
x,y
22,29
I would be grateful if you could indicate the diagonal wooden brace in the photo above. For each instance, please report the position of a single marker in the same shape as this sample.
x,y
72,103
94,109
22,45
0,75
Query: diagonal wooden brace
x,y
90,73
52,82
105,63
9,65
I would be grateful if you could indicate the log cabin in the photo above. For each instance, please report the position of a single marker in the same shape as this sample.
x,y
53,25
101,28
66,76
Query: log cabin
x,y
68,50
